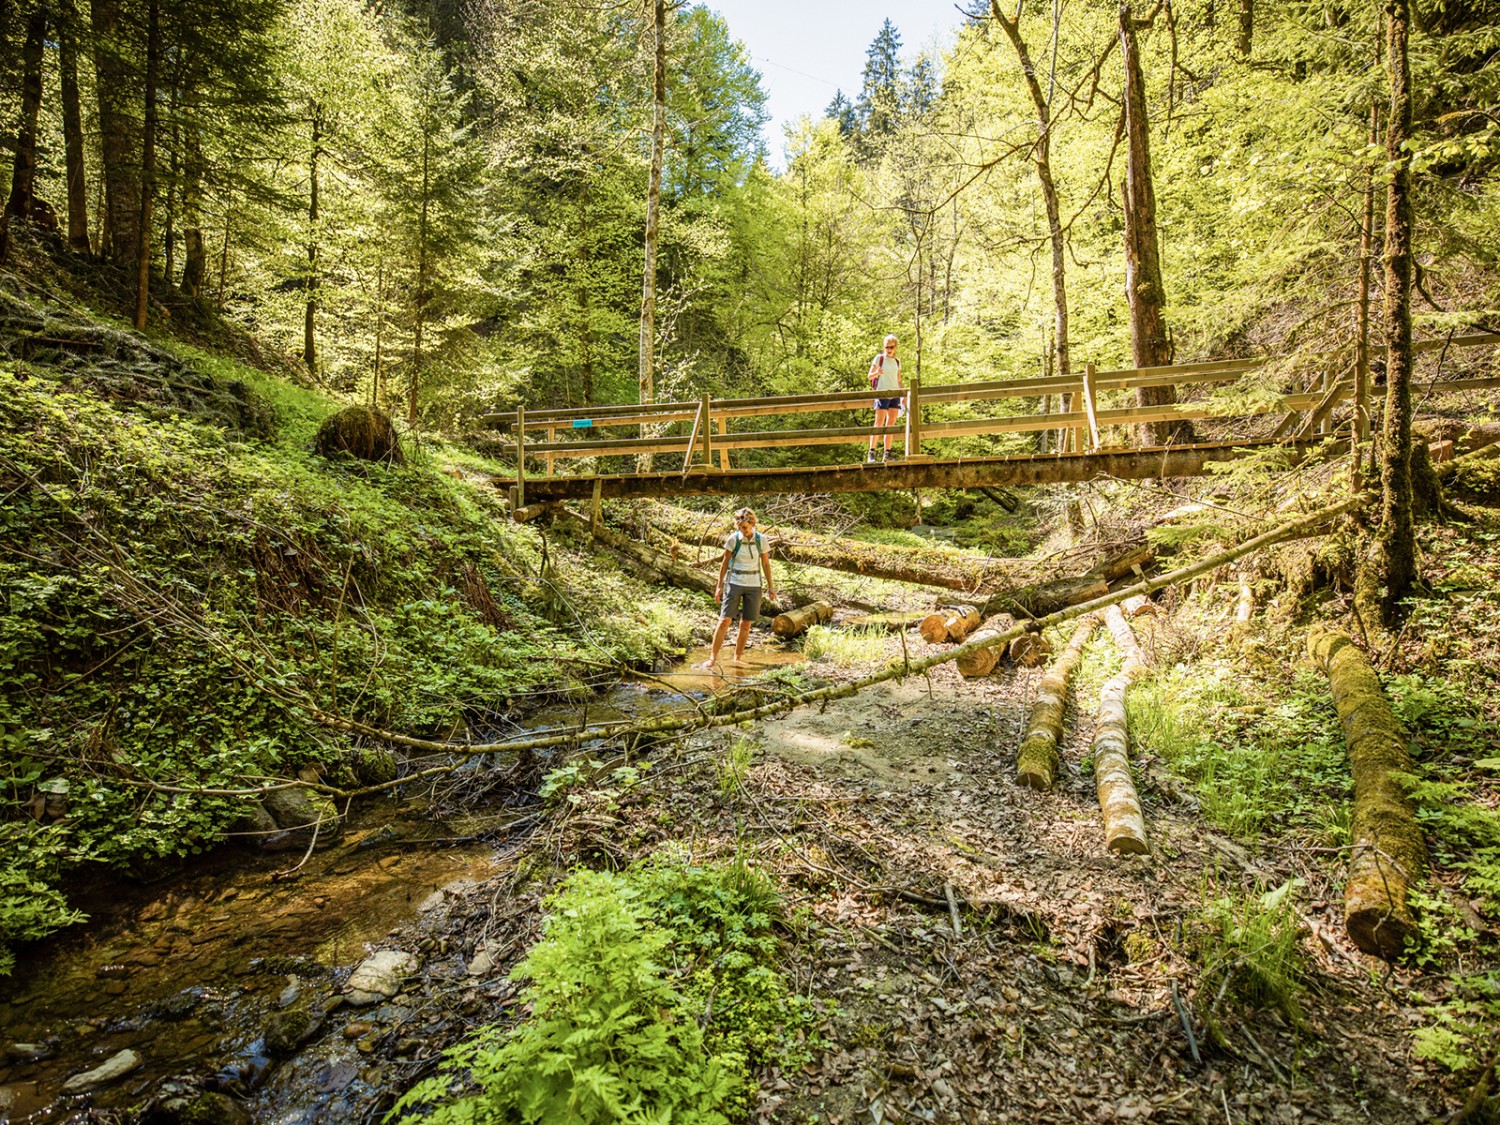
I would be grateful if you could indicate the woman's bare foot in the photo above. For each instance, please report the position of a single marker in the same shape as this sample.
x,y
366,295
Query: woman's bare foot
x,y
740,662
706,666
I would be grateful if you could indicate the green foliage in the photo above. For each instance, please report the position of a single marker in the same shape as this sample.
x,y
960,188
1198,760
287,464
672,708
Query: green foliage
x,y
653,994
174,601
844,647
1247,947
1254,760
1462,1034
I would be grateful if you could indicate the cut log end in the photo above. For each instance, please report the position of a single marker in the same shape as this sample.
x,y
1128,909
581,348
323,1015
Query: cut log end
x,y
1030,650
934,628
1037,762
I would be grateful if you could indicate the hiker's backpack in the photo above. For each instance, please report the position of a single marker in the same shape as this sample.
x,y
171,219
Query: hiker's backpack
x,y
879,371
760,546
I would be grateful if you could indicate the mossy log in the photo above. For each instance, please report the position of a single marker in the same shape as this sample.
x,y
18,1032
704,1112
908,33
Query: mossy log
x,y
1124,824
1036,764
360,432
1048,597
1388,852
795,622
925,566
982,662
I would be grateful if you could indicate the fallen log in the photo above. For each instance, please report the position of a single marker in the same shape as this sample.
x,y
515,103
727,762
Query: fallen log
x,y
981,662
1244,604
1037,761
934,628
1043,598
961,622
661,725
1138,606
1124,824
1388,851
795,622
1029,649
925,566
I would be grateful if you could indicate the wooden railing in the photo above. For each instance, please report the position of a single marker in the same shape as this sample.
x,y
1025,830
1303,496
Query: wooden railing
x,y
1086,428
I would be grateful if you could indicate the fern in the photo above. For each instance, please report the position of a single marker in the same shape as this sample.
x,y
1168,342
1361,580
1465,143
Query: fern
x,y
653,993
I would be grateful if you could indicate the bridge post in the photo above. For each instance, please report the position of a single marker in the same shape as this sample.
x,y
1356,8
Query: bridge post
x,y
914,418
1089,371
551,437
708,436
723,449
520,458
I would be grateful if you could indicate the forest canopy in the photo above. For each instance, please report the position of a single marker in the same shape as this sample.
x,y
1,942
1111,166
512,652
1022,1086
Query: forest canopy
x,y
439,207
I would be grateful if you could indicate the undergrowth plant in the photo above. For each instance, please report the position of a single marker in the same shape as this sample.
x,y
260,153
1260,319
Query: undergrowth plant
x,y
1257,755
176,601
652,996
1247,948
844,647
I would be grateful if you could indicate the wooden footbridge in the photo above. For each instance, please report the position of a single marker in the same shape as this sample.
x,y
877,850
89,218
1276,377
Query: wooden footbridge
x,y
1089,439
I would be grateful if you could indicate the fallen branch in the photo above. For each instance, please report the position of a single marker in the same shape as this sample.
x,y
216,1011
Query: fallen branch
x,y
1389,851
1037,761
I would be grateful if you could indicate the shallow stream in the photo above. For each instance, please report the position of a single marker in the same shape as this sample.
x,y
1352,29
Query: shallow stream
x,y
191,972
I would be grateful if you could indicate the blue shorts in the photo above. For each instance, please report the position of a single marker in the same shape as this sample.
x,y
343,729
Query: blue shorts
x,y
888,403
741,599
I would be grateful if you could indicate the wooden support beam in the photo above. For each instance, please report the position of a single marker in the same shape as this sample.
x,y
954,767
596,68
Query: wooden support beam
x,y
1002,472
708,434
1088,405
698,422
723,449
914,418
520,458
551,437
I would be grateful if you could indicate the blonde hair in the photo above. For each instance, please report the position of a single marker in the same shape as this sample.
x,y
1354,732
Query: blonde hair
x,y
892,340
744,514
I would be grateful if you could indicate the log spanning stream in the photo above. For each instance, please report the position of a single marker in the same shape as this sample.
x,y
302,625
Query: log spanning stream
x,y
189,974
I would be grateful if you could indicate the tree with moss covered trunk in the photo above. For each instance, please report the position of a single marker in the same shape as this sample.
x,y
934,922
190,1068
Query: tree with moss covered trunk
x,y
1389,566
1150,344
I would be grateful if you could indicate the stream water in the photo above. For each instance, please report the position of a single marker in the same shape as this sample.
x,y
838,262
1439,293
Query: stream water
x,y
190,973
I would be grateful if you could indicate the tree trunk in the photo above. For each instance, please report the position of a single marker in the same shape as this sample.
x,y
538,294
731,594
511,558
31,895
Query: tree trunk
x,y
1362,309
1037,761
1046,597
423,280
1041,155
194,250
1389,852
795,622
148,167
23,175
1389,566
1150,344
119,132
1243,40
72,116
1124,825
310,282
653,210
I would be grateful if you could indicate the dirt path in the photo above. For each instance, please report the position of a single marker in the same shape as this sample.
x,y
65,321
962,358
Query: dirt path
x,y
1053,1003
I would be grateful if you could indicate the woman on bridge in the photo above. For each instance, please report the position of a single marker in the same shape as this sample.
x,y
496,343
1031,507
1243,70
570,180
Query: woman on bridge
x,y
885,380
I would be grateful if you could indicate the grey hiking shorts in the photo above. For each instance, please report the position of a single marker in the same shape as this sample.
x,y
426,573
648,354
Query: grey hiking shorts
x,y
740,600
